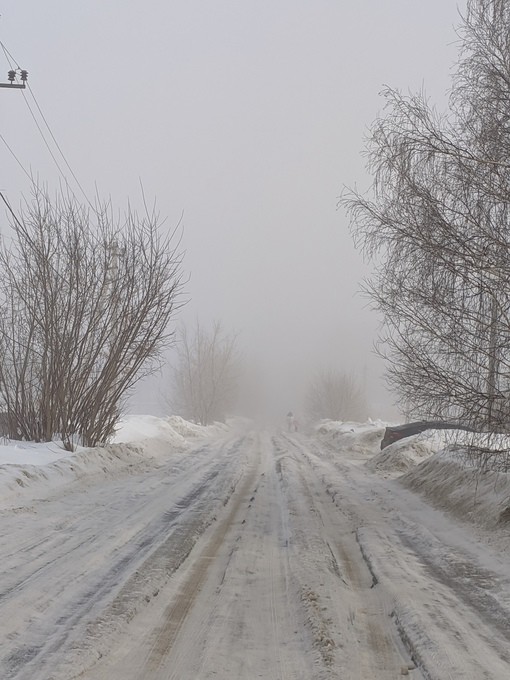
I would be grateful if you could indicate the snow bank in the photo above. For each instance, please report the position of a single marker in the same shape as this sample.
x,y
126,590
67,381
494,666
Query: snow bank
x,y
139,428
361,439
30,453
435,464
401,456
27,468
191,430
17,479
467,492
173,429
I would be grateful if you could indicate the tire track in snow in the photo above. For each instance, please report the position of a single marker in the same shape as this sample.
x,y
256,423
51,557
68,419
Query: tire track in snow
x,y
415,565
36,651
178,610
231,610
375,648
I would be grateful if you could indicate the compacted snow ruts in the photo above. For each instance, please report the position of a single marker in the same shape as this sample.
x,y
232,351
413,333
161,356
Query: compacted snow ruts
x,y
80,562
276,588
349,617
252,556
233,611
449,593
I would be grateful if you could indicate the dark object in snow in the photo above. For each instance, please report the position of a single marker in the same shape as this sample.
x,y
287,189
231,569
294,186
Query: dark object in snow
x,y
504,516
394,433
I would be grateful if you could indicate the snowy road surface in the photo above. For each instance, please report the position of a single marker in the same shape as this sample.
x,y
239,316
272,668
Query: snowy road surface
x,y
254,556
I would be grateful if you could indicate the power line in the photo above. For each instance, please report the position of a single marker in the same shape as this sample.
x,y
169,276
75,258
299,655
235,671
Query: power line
x,y
16,158
59,148
11,210
10,57
47,144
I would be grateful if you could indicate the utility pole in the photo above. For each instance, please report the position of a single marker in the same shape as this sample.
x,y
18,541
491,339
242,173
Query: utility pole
x,y
11,77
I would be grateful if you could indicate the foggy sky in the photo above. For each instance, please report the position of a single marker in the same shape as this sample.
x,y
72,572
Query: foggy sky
x,y
249,117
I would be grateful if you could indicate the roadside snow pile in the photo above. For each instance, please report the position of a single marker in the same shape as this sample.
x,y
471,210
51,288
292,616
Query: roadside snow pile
x,y
192,431
30,453
362,439
18,478
452,484
401,456
173,429
139,428
27,468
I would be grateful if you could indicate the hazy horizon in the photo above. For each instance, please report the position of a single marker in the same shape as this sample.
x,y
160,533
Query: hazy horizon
x,y
248,119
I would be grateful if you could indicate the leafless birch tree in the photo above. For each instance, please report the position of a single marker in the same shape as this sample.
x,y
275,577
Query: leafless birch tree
x,y
436,223
85,306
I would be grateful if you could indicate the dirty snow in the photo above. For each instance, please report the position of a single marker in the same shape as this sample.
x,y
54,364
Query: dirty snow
x,y
362,439
248,554
450,483
403,455
28,468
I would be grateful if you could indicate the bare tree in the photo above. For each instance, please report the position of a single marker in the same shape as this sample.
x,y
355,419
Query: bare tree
x,y
334,395
205,377
85,305
436,223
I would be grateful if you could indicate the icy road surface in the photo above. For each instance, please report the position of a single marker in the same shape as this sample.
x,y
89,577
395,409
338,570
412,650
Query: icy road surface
x,y
256,556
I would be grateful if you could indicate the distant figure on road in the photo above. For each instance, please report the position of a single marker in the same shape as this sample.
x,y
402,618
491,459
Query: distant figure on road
x,y
291,422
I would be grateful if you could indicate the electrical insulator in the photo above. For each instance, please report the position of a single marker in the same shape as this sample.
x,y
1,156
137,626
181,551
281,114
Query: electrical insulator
x,y
24,75
11,76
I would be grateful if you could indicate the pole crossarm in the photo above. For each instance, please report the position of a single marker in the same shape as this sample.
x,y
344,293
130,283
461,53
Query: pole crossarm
x,y
13,75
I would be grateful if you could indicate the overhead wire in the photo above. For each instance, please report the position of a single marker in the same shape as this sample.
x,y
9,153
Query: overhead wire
x,y
59,148
4,199
9,208
11,59
2,196
16,158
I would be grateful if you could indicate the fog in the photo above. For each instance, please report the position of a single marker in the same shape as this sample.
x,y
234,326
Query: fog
x,y
246,117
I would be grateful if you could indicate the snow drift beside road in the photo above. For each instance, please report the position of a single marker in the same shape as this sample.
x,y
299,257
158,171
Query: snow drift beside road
x,y
27,468
173,429
401,456
405,454
424,463
139,428
470,494
362,439
22,480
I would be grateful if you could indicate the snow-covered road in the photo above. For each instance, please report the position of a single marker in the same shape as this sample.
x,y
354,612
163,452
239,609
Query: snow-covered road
x,y
252,556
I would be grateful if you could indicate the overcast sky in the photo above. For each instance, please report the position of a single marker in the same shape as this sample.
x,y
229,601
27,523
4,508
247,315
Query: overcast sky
x,y
249,117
